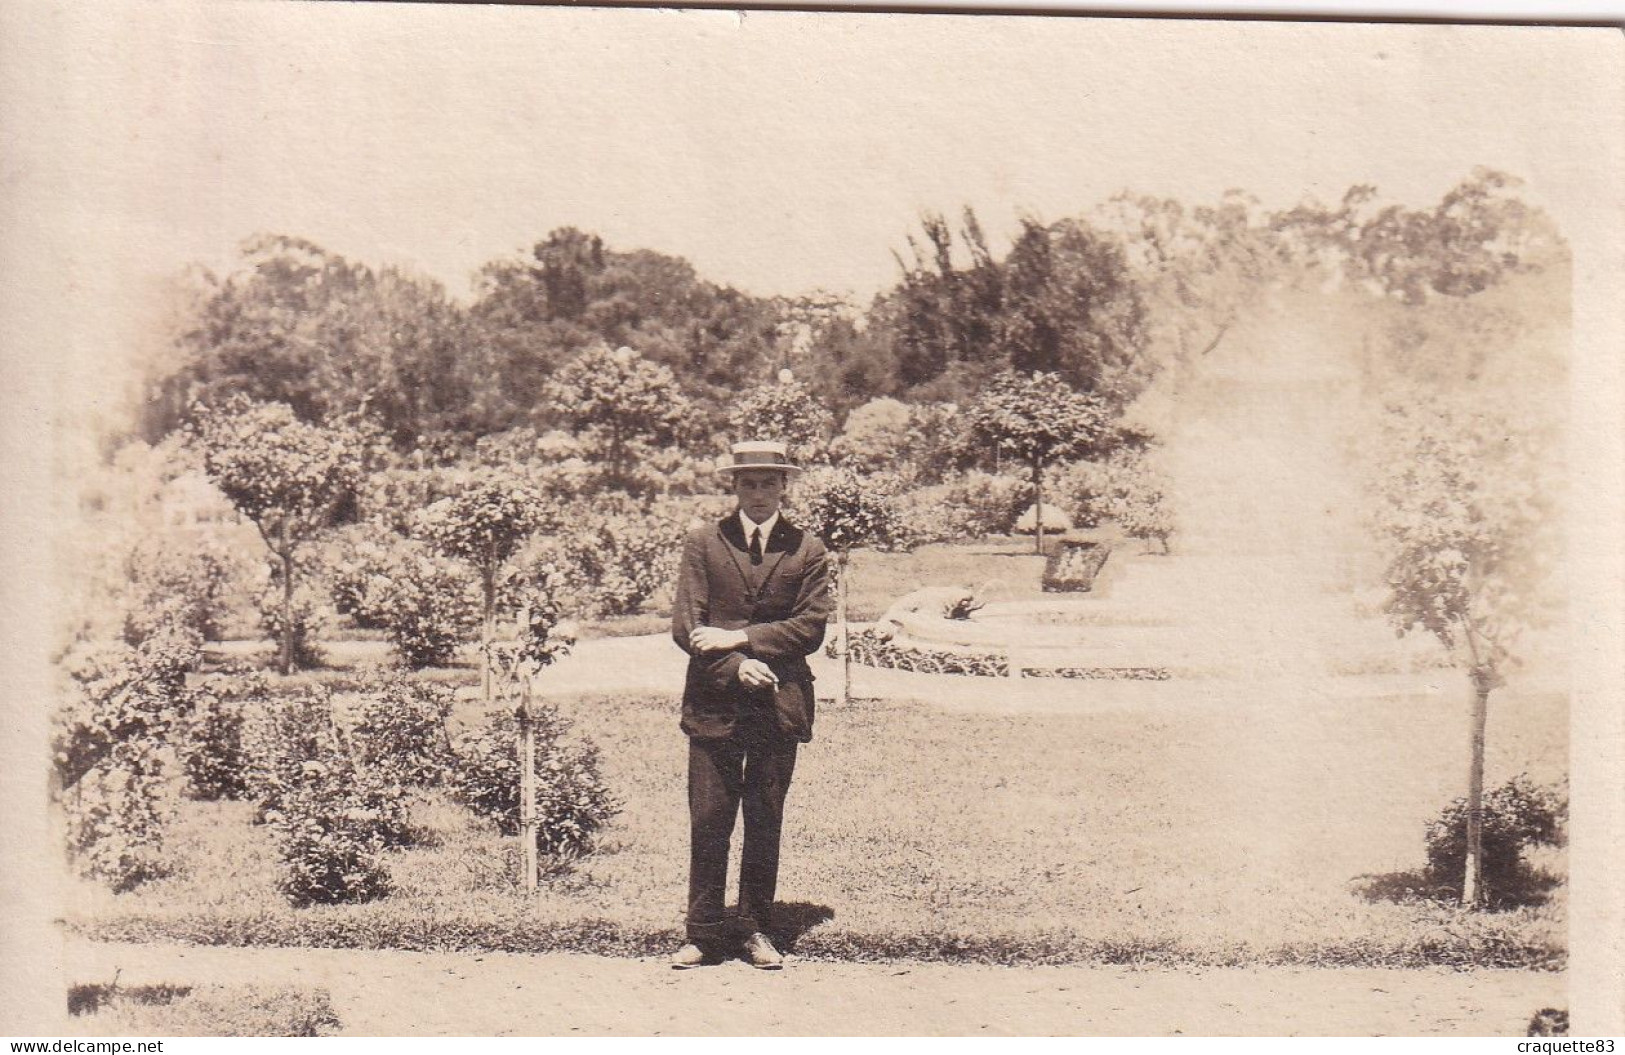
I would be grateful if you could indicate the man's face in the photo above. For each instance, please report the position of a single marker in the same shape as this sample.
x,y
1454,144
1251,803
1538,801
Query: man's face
x,y
759,492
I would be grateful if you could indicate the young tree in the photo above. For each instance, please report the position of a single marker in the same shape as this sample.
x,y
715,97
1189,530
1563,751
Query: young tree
x,y
485,523
1040,419
846,511
784,410
286,476
619,399
1462,517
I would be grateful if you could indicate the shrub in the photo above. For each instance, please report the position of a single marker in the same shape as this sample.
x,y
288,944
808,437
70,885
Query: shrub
x,y
116,817
174,586
1125,488
310,621
329,843
1517,815
391,498
358,568
331,816
211,748
108,751
987,503
429,606
400,731
572,801
619,554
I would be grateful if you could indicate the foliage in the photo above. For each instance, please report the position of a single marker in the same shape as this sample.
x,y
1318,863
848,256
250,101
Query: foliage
x,y
572,801
331,816
1039,418
108,749
299,325
617,553
211,747
1124,488
1465,524
171,586
983,504
485,519
358,566
400,731
573,292
116,696
301,634
393,496
787,411
1062,300
1517,815
430,606
285,475
541,637
618,400
117,816
921,443
846,510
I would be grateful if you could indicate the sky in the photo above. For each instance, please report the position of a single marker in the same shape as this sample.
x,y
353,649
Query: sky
x,y
779,152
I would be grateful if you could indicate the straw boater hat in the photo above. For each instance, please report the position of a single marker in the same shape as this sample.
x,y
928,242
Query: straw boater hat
x,y
757,454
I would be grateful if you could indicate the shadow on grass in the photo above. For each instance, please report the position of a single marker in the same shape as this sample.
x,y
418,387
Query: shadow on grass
x,y
1524,888
88,999
793,919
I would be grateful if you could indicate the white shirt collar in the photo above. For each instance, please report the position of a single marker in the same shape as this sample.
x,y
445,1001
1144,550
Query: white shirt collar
x,y
767,526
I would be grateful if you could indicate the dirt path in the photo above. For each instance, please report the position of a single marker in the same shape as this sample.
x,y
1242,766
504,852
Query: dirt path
x,y
449,994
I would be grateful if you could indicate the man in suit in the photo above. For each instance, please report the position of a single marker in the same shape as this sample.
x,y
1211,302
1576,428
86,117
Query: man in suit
x,y
752,601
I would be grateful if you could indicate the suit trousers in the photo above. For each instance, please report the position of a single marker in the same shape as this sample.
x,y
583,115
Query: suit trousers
x,y
752,768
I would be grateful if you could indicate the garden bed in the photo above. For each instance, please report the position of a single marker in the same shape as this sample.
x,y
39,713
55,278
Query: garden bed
x,y
922,834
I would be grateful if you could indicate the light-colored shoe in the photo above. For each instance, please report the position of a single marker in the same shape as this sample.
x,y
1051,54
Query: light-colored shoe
x,y
690,955
759,952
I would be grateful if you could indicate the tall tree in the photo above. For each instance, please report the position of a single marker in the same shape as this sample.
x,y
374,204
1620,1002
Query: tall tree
x,y
620,401
1071,307
288,477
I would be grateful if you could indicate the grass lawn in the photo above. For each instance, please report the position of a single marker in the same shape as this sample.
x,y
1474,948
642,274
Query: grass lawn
x,y
1168,838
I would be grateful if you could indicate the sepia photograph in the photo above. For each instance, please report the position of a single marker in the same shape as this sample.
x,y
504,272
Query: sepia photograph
x,y
554,521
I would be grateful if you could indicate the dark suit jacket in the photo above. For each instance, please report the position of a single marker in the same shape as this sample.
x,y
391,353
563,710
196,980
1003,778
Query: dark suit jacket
x,y
781,604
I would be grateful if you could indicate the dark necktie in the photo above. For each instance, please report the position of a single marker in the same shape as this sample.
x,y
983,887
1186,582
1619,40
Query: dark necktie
x,y
756,545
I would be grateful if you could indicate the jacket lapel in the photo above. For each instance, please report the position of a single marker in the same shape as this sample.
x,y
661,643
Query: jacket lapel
x,y
783,539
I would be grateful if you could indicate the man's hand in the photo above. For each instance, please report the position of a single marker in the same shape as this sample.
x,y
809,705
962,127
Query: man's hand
x,y
715,639
756,674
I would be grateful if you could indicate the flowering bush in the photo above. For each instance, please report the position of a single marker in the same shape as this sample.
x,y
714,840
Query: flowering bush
x,y
431,605
1125,488
174,586
787,411
618,554
332,816
572,801
358,566
211,742
400,731
986,503
390,498
108,750
116,818
846,510
328,840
